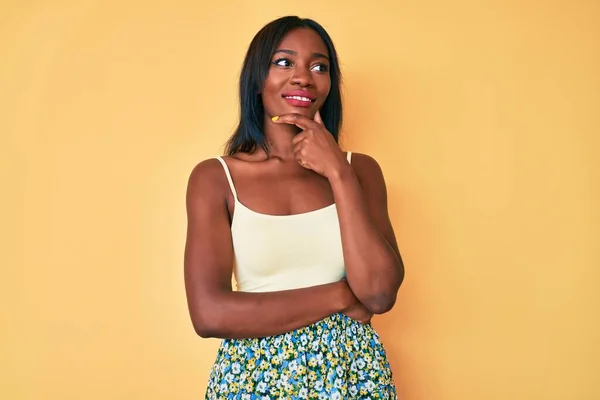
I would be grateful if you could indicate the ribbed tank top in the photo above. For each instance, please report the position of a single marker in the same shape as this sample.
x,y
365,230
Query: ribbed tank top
x,y
282,252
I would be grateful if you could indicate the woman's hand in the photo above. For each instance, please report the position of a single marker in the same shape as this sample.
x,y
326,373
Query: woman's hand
x,y
356,310
359,313
314,147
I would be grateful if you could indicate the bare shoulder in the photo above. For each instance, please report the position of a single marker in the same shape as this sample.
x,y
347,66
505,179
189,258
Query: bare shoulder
x,y
366,167
207,180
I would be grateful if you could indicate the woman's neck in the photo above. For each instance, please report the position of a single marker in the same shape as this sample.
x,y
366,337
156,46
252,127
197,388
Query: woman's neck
x,y
279,139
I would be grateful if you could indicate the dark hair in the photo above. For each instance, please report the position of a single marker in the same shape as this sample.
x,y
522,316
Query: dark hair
x,y
249,133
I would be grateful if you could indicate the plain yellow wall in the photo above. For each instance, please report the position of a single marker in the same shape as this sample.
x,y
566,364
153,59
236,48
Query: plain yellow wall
x,y
483,115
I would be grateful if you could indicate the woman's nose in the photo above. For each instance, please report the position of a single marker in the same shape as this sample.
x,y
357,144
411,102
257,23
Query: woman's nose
x,y
302,76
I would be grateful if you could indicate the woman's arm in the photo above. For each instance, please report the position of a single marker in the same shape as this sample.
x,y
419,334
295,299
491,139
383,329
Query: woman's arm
x,y
374,266
215,309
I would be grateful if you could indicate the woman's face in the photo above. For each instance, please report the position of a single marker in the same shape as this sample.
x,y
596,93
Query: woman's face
x,y
298,79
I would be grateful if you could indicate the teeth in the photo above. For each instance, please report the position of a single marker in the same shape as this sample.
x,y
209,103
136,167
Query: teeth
x,y
298,98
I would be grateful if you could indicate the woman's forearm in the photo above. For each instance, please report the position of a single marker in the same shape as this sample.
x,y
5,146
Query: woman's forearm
x,y
374,269
236,315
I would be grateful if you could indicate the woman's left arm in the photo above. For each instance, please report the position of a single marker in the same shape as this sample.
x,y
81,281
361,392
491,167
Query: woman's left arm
x,y
374,267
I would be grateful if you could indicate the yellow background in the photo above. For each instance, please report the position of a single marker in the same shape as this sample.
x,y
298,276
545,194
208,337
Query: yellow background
x,y
483,115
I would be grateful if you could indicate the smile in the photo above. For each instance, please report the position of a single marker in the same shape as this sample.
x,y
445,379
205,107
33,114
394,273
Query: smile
x,y
299,98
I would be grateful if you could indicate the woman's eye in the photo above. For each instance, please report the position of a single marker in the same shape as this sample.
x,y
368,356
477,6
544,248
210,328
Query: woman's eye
x,y
283,62
320,68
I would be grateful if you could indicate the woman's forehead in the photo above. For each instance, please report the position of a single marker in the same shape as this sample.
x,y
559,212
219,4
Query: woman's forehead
x,y
304,39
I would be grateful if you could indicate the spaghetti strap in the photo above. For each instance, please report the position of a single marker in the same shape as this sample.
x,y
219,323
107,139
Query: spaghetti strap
x,y
226,168
349,157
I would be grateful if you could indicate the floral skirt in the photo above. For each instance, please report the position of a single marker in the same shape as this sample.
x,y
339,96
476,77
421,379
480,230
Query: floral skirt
x,y
335,358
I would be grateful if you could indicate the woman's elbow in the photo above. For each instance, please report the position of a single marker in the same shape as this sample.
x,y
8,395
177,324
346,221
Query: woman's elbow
x,y
204,331
385,297
380,303
205,324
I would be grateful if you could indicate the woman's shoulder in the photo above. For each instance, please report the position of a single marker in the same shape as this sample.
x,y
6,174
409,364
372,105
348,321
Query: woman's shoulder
x,y
364,163
208,174
212,172
207,169
369,173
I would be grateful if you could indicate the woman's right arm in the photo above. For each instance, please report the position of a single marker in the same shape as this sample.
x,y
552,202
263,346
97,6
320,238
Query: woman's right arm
x,y
218,311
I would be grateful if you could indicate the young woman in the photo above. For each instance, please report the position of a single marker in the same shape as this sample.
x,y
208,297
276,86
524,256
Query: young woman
x,y
302,225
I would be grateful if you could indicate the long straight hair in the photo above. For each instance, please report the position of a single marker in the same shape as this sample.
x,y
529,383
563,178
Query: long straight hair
x,y
249,133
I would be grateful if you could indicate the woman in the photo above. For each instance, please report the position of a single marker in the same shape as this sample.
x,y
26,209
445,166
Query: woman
x,y
307,228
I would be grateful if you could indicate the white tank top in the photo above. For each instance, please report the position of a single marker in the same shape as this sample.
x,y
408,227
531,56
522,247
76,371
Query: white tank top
x,y
282,252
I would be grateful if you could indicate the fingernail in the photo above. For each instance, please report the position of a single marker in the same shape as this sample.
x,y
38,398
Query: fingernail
x,y
275,118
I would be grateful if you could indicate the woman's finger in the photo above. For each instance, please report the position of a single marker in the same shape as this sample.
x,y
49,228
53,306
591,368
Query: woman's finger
x,y
318,118
296,119
298,138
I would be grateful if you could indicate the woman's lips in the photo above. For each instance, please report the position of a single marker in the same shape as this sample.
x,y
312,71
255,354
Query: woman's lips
x,y
299,98
298,101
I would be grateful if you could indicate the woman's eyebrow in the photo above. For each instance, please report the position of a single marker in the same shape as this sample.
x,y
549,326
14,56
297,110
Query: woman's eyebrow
x,y
293,53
